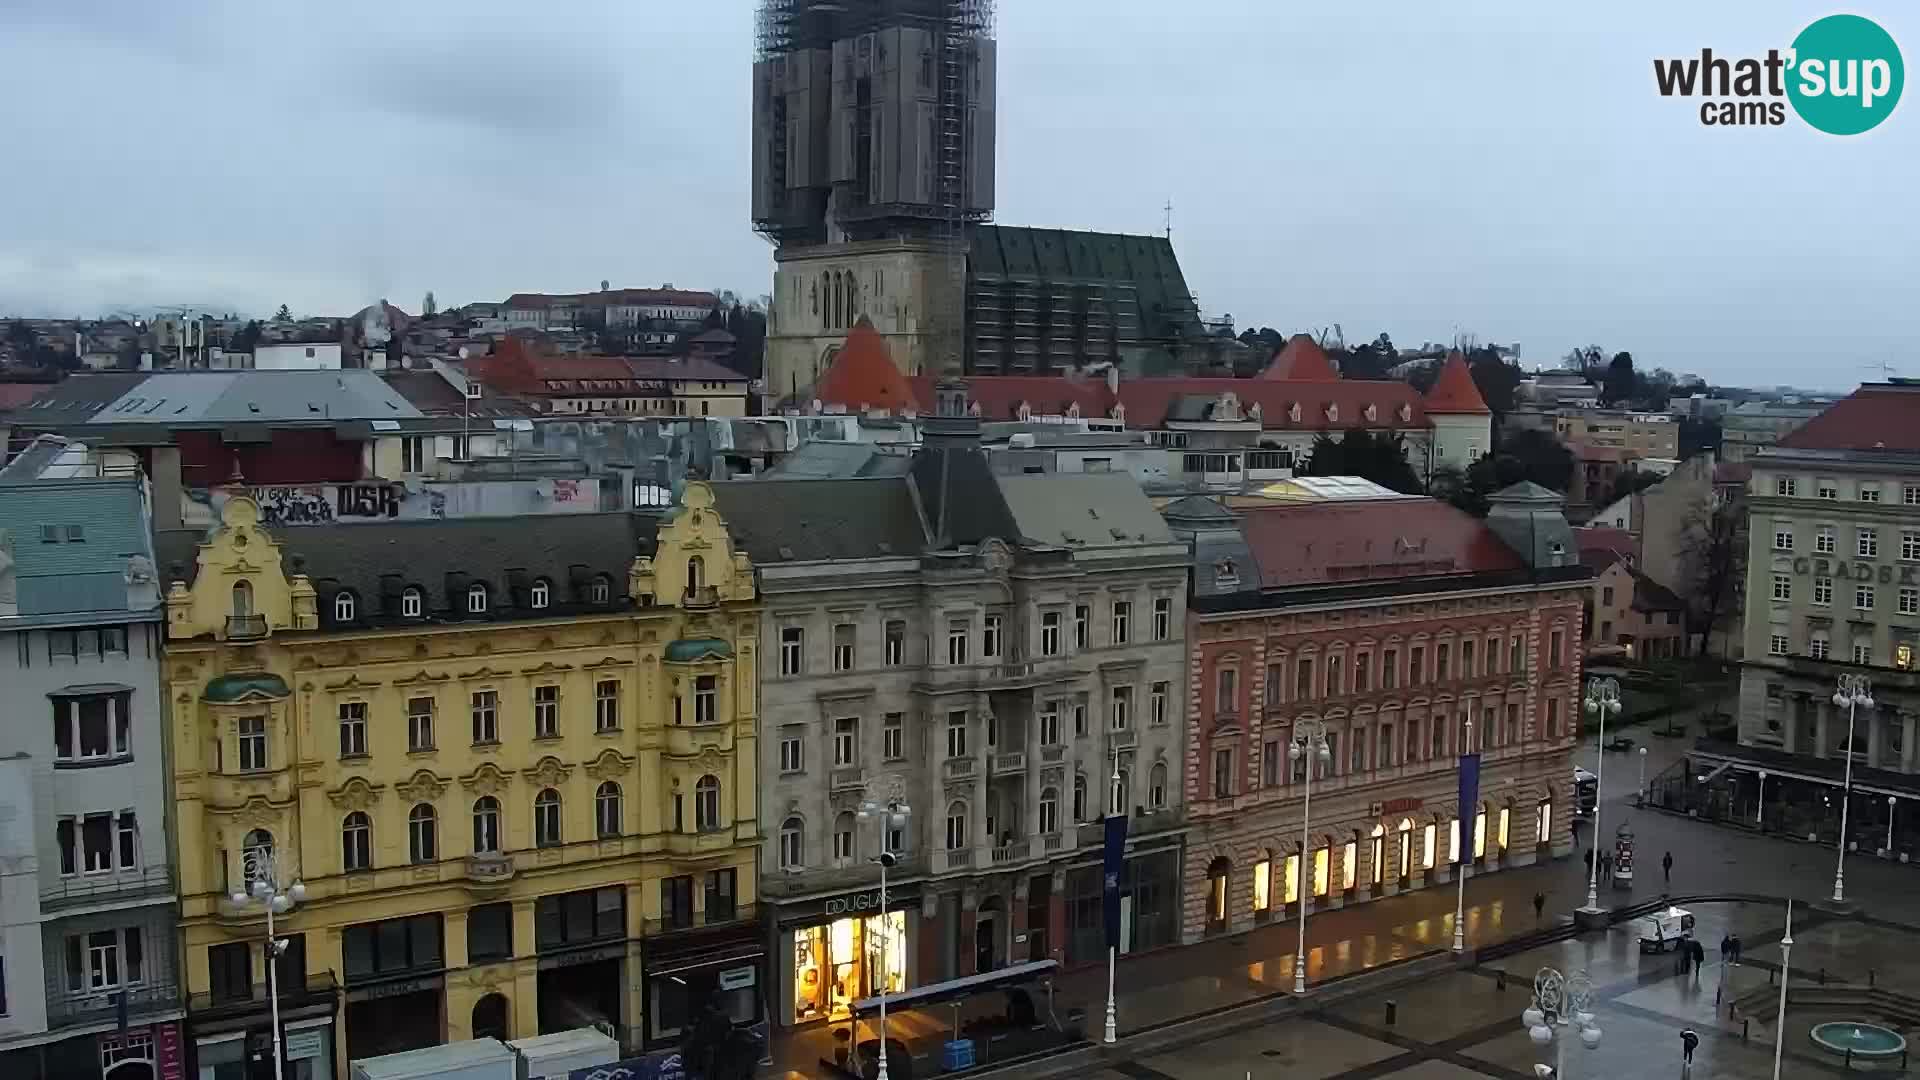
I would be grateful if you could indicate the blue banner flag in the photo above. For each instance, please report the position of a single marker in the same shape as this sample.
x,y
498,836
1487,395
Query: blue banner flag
x,y
1469,800
1115,859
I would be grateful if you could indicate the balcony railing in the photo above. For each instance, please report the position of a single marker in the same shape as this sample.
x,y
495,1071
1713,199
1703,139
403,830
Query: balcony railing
x,y
999,674
959,859
1009,764
851,778
319,988
92,1008
813,879
695,920
246,627
133,886
957,767
490,868
1010,853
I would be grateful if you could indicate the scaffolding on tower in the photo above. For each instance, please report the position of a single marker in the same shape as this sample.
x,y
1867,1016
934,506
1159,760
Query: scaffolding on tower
x,y
967,23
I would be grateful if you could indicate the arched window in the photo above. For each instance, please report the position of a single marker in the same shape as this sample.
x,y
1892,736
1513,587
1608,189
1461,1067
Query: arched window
x,y
423,834
956,825
356,842
1350,863
853,300
1429,844
1377,856
1079,797
696,573
793,844
546,818
1157,786
606,809
343,606
256,851
242,599
1480,832
1049,811
843,837
538,596
602,590
833,301
1506,824
490,1018
1543,823
706,803
412,604
1323,866
486,825
477,599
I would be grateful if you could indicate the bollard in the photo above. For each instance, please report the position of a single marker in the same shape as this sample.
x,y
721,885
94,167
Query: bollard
x,y
1392,1006
1870,975
1499,980
1743,1029
1823,976
1770,973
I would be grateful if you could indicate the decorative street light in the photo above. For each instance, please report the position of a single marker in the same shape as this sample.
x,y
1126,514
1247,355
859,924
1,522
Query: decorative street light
x,y
1854,691
1893,801
1559,1002
1310,745
885,802
1780,1019
1603,700
1760,803
261,873
1110,1034
1643,776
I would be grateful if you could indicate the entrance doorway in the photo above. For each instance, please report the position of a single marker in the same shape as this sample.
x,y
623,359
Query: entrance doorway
x,y
581,994
986,935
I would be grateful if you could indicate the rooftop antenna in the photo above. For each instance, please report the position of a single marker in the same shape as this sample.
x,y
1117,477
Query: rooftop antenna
x,y
1169,220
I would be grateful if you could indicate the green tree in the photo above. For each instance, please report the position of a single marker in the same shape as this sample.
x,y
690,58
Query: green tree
x,y
1379,457
1526,455
22,338
1619,384
1497,379
248,338
283,315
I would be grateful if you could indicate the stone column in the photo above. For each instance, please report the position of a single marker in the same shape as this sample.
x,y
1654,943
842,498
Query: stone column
x,y
1906,742
1874,718
1822,713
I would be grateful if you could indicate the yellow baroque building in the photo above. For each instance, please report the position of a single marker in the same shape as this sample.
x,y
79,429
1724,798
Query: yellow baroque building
x,y
510,763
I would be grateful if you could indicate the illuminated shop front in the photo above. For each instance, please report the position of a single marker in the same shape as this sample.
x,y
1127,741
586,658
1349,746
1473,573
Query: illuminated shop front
x,y
846,949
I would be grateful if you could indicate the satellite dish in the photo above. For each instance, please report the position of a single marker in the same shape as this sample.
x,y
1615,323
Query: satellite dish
x,y
463,352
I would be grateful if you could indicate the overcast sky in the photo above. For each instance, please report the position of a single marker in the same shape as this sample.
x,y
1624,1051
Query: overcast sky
x,y
1508,173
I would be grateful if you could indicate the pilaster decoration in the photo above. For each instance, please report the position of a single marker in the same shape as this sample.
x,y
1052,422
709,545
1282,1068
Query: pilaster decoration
x,y
610,764
423,787
605,662
1053,776
484,672
353,681
958,789
356,794
1020,889
712,760
548,772
930,903
486,780
545,666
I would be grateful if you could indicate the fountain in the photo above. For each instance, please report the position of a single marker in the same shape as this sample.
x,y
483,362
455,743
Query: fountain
x,y
1867,1042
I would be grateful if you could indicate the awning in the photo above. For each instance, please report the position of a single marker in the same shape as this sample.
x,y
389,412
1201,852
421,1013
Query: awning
x,y
958,988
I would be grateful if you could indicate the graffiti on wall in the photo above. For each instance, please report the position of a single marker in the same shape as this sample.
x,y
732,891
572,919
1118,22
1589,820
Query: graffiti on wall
x,y
324,505
283,506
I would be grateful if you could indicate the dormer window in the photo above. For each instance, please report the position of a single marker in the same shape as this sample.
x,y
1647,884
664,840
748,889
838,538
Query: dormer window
x,y
539,595
601,590
477,600
1225,573
411,604
343,607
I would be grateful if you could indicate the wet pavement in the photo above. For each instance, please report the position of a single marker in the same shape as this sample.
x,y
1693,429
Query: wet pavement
x,y
1461,1024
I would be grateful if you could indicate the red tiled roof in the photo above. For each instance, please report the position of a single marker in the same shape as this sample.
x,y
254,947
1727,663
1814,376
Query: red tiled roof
x,y
516,367
1346,542
1878,416
15,394
1148,401
1300,360
1000,396
1601,547
863,375
1454,391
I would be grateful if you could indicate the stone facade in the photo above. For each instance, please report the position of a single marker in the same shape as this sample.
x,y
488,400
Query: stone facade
x,y
820,293
1395,682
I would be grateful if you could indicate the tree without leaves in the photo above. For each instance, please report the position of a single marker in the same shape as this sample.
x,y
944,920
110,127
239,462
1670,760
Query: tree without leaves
x,y
1629,482
1712,559
1497,379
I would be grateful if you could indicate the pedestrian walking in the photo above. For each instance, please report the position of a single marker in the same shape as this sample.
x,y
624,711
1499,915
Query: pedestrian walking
x,y
1666,866
1539,906
1699,960
1689,1040
1736,950
1726,948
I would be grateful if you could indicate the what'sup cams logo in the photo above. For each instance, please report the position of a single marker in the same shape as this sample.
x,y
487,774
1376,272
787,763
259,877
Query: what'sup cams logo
x,y
1843,76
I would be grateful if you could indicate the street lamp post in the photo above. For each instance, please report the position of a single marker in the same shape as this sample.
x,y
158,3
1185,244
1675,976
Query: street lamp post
x,y
1892,802
1559,1002
1110,1033
1603,699
1760,803
1462,841
1786,968
1309,745
886,803
1854,691
261,873
1643,775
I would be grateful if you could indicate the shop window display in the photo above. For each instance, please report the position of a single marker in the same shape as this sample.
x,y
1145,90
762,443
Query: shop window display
x,y
840,963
